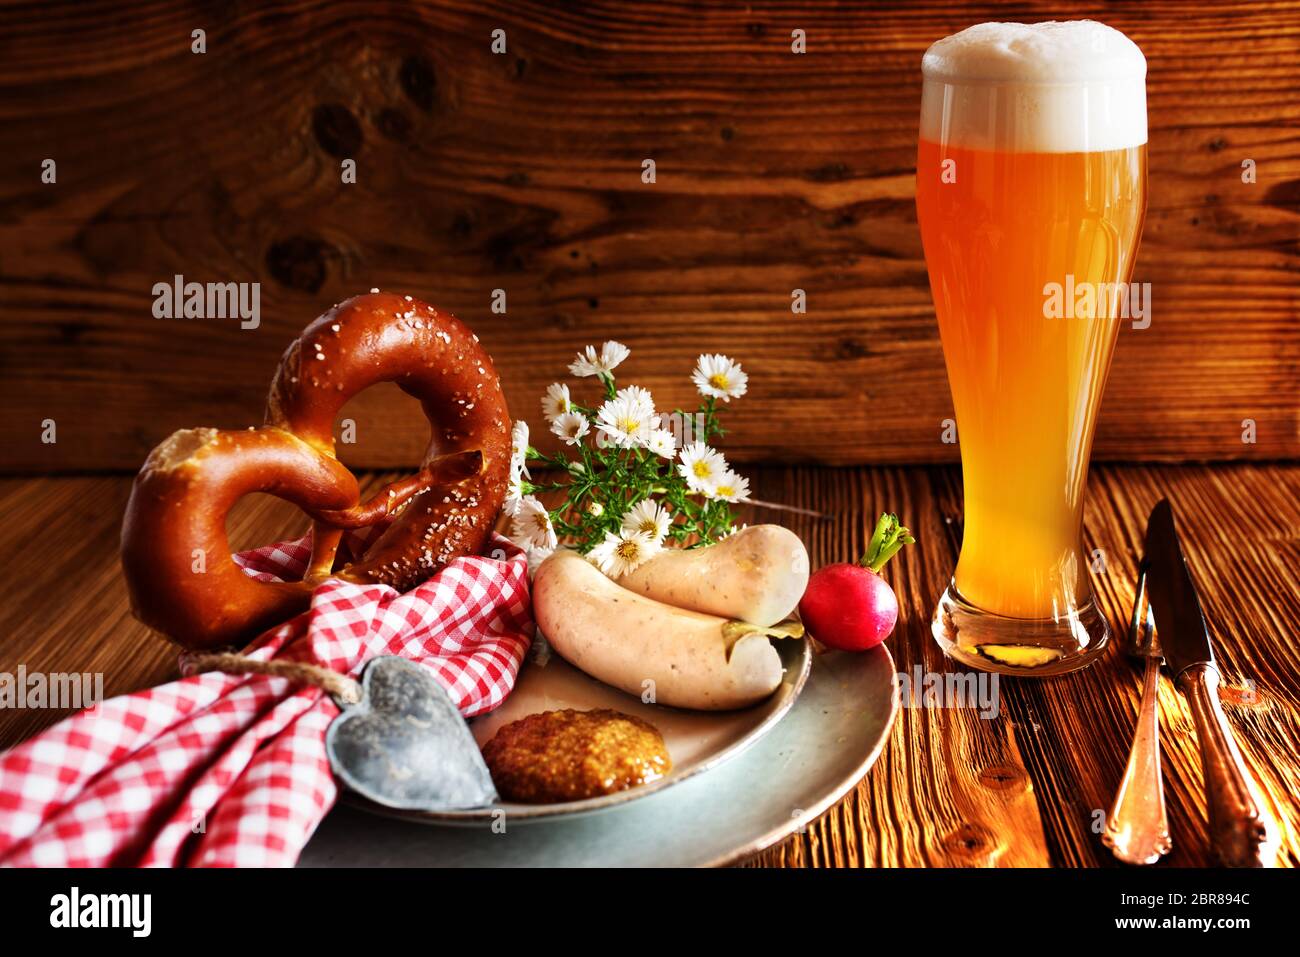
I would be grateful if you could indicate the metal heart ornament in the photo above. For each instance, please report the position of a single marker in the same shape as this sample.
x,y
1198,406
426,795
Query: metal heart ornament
x,y
405,744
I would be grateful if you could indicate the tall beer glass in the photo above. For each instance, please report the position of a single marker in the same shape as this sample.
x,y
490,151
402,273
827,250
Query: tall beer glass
x,y
1030,192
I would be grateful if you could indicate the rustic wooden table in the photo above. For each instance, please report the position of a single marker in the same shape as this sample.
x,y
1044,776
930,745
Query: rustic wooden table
x,y
1025,788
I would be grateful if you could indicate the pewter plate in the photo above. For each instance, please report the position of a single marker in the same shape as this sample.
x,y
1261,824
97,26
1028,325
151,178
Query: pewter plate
x,y
696,740
803,765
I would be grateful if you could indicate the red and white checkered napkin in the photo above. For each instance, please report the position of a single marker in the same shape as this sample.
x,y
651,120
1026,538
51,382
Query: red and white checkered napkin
x,y
221,769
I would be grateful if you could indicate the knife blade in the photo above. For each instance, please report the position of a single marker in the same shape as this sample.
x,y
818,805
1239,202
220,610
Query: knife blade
x,y
1184,637
1238,830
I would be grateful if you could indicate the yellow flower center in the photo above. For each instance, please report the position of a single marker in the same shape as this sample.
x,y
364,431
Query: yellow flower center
x,y
648,526
702,470
719,381
628,550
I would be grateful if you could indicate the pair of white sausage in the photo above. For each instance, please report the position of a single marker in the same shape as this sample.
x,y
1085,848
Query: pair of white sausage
x,y
670,629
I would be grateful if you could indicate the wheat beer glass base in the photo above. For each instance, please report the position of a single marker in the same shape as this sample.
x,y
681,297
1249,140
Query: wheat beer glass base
x,y
1035,647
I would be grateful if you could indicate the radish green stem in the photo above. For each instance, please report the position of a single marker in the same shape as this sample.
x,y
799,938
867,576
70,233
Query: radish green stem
x,y
886,542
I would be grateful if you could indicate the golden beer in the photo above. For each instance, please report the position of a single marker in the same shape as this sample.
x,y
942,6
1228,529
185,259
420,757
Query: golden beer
x,y
1031,191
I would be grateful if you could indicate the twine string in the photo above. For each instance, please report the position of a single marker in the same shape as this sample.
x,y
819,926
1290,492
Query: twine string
x,y
340,686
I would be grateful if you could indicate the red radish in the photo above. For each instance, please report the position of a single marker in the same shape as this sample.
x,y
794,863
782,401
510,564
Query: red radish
x,y
849,606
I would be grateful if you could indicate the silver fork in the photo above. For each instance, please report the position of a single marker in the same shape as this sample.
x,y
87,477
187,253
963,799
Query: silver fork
x,y
1137,830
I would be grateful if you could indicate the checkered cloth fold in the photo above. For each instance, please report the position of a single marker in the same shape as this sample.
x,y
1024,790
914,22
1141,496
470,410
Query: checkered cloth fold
x,y
231,770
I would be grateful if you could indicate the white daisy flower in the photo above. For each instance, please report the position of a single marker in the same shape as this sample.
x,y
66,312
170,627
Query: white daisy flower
x,y
514,495
556,402
662,443
618,555
731,487
535,558
531,527
600,552
623,420
519,450
718,377
702,467
518,467
571,427
650,517
639,397
589,362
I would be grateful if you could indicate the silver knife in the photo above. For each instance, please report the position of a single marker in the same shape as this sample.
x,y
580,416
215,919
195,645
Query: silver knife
x,y
1237,827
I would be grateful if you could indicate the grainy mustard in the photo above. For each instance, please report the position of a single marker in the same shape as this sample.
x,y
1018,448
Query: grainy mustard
x,y
570,755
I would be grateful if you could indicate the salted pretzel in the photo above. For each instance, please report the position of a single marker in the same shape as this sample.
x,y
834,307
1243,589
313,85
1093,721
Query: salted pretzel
x,y
180,574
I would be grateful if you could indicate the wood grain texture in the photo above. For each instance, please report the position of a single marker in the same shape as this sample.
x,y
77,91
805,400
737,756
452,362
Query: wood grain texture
x,y
521,172
1052,758
1026,787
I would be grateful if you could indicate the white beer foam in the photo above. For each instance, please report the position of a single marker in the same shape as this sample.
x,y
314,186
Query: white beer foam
x,y
1057,87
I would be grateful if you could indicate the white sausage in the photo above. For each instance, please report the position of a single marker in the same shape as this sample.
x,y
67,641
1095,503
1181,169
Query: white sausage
x,y
757,575
627,640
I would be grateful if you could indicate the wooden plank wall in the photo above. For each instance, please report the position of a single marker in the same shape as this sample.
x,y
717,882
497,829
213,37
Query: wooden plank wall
x,y
522,171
